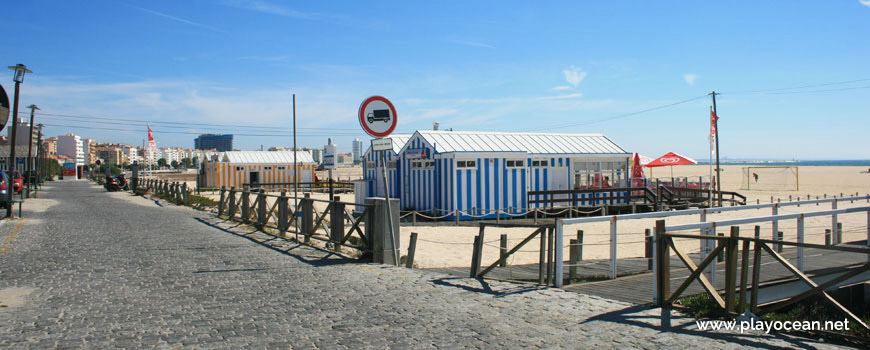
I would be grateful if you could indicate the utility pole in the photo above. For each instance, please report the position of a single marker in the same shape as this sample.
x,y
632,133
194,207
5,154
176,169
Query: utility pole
x,y
29,167
295,174
716,125
39,150
20,70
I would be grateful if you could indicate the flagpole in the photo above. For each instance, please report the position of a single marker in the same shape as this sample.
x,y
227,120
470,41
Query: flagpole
x,y
710,186
718,168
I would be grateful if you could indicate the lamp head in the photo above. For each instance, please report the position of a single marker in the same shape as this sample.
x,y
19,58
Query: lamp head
x,y
19,69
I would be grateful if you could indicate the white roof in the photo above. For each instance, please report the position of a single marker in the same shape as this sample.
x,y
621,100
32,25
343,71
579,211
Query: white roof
x,y
265,157
533,143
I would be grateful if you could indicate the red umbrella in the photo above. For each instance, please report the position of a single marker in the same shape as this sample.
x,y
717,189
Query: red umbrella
x,y
671,159
637,174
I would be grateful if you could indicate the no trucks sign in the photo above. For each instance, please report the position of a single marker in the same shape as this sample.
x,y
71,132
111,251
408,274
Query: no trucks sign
x,y
377,116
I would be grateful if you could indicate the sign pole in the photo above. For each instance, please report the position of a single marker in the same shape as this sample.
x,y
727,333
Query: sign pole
x,y
389,209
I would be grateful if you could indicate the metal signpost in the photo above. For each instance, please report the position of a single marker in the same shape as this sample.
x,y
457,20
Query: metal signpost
x,y
377,117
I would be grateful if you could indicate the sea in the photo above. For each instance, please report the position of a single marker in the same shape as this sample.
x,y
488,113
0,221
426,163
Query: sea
x,y
865,162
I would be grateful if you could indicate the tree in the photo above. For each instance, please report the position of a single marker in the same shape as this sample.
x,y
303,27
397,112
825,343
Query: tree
x,y
161,162
174,164
50,168
185,162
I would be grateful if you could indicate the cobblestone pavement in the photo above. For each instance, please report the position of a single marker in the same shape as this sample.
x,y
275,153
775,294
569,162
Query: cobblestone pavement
x,y
91,269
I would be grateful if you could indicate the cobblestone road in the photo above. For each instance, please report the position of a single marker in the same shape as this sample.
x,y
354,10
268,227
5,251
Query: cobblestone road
x,y
90,269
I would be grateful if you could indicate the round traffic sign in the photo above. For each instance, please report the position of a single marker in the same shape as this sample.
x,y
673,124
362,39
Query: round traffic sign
x,y
377,116
4,108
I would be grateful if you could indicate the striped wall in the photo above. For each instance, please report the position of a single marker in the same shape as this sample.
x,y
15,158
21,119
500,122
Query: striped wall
x,y
237,175
371,175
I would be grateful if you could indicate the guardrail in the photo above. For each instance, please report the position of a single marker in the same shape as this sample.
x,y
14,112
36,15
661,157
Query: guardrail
x,y
664,243
615,219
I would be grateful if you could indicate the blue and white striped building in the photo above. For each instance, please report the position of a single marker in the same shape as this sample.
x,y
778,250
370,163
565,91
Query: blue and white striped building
x,y
478,173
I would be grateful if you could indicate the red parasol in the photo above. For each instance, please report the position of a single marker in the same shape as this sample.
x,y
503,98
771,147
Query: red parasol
x,y
637,174
670,159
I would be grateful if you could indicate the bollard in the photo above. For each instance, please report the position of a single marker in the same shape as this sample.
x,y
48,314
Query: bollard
x,y
498,215
283,218
221,202
502,250
246,205
336,223
580,245
261,207
231,207
475,257
779,237
184,193
412,249
573,259
827,236
413,218
648,248
307,207
456,214
839,232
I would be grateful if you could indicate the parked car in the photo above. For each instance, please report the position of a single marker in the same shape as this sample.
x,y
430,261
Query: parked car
x,y
17,180
3,181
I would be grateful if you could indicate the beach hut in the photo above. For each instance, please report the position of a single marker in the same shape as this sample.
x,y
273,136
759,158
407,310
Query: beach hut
x,y
477,173
272,170
372,184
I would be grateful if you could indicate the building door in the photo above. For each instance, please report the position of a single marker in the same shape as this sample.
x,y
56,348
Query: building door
x,y
558,180
254,178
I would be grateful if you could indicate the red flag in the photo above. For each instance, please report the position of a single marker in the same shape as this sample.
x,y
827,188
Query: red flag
x,y
714,119
151,143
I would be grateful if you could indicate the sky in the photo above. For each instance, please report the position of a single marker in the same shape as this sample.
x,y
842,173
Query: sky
x,y
794,76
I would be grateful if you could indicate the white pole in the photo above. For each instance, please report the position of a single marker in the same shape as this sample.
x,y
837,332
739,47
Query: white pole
x,y
295,174
559,252
389,210
613,247
834,223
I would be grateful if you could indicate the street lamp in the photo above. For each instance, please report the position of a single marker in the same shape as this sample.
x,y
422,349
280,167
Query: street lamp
x,y
29,170
20,70
39,156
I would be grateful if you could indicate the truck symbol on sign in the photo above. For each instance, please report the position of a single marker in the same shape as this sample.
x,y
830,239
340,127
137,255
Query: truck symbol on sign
x,y
379,114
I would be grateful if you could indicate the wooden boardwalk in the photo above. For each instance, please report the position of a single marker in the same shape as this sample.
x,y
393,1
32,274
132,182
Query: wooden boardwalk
x,y
636,282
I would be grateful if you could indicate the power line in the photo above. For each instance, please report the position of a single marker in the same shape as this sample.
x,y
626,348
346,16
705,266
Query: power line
x,y
799,87
624,115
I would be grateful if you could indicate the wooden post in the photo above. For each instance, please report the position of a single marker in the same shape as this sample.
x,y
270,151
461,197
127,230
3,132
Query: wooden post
x,y
573,259
336,223
756,271
827,236
613,245
839,232
663,273
414,218
261,207
550,251
648,248
412,248
456,211
779,237
731,269
232,203
800,239
580,247
184,193
474,253
542,258
744,272
283,215
221,207
498,215
502,251
246,205
721,256
775,222
307,206
835,239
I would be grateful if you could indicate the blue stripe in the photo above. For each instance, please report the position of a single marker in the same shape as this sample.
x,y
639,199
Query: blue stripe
x,y
468,193
537,184
452,189
477,171
486,183
514,188
459,189
495,176
523,190
505,181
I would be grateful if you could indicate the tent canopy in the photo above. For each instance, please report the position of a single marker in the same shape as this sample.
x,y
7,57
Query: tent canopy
x,y
671,158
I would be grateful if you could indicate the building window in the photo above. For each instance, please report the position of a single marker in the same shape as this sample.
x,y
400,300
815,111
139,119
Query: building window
x,y
370,164
539,163
281,168
466,164
239,168
514,164
267,168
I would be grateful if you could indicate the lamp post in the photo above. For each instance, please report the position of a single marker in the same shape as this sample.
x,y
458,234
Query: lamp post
x,y
20,70
39,150
29,167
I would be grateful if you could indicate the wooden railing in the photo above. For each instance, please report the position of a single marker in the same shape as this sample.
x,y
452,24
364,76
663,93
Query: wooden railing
x,y
547,262
664,244
334,225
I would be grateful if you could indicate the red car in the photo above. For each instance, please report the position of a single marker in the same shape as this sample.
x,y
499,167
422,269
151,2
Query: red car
x,y
17,180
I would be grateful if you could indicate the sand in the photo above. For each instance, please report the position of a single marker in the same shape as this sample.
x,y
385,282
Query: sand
x,y
451,246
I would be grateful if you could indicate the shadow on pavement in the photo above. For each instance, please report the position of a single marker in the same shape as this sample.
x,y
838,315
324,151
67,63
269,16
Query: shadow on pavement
x,y
485,288
630,316
286,247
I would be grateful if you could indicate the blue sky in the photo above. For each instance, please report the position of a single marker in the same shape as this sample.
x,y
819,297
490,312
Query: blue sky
x,y
794,75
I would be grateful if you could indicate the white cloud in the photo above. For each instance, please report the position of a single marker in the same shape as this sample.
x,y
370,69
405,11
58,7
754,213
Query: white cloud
x,y
690,79
177,19
474,44
865,2
574,75
561,88
562,97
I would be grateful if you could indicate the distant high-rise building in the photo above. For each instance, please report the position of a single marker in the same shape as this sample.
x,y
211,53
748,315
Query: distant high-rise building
x,y
357,150
222,143
70,145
